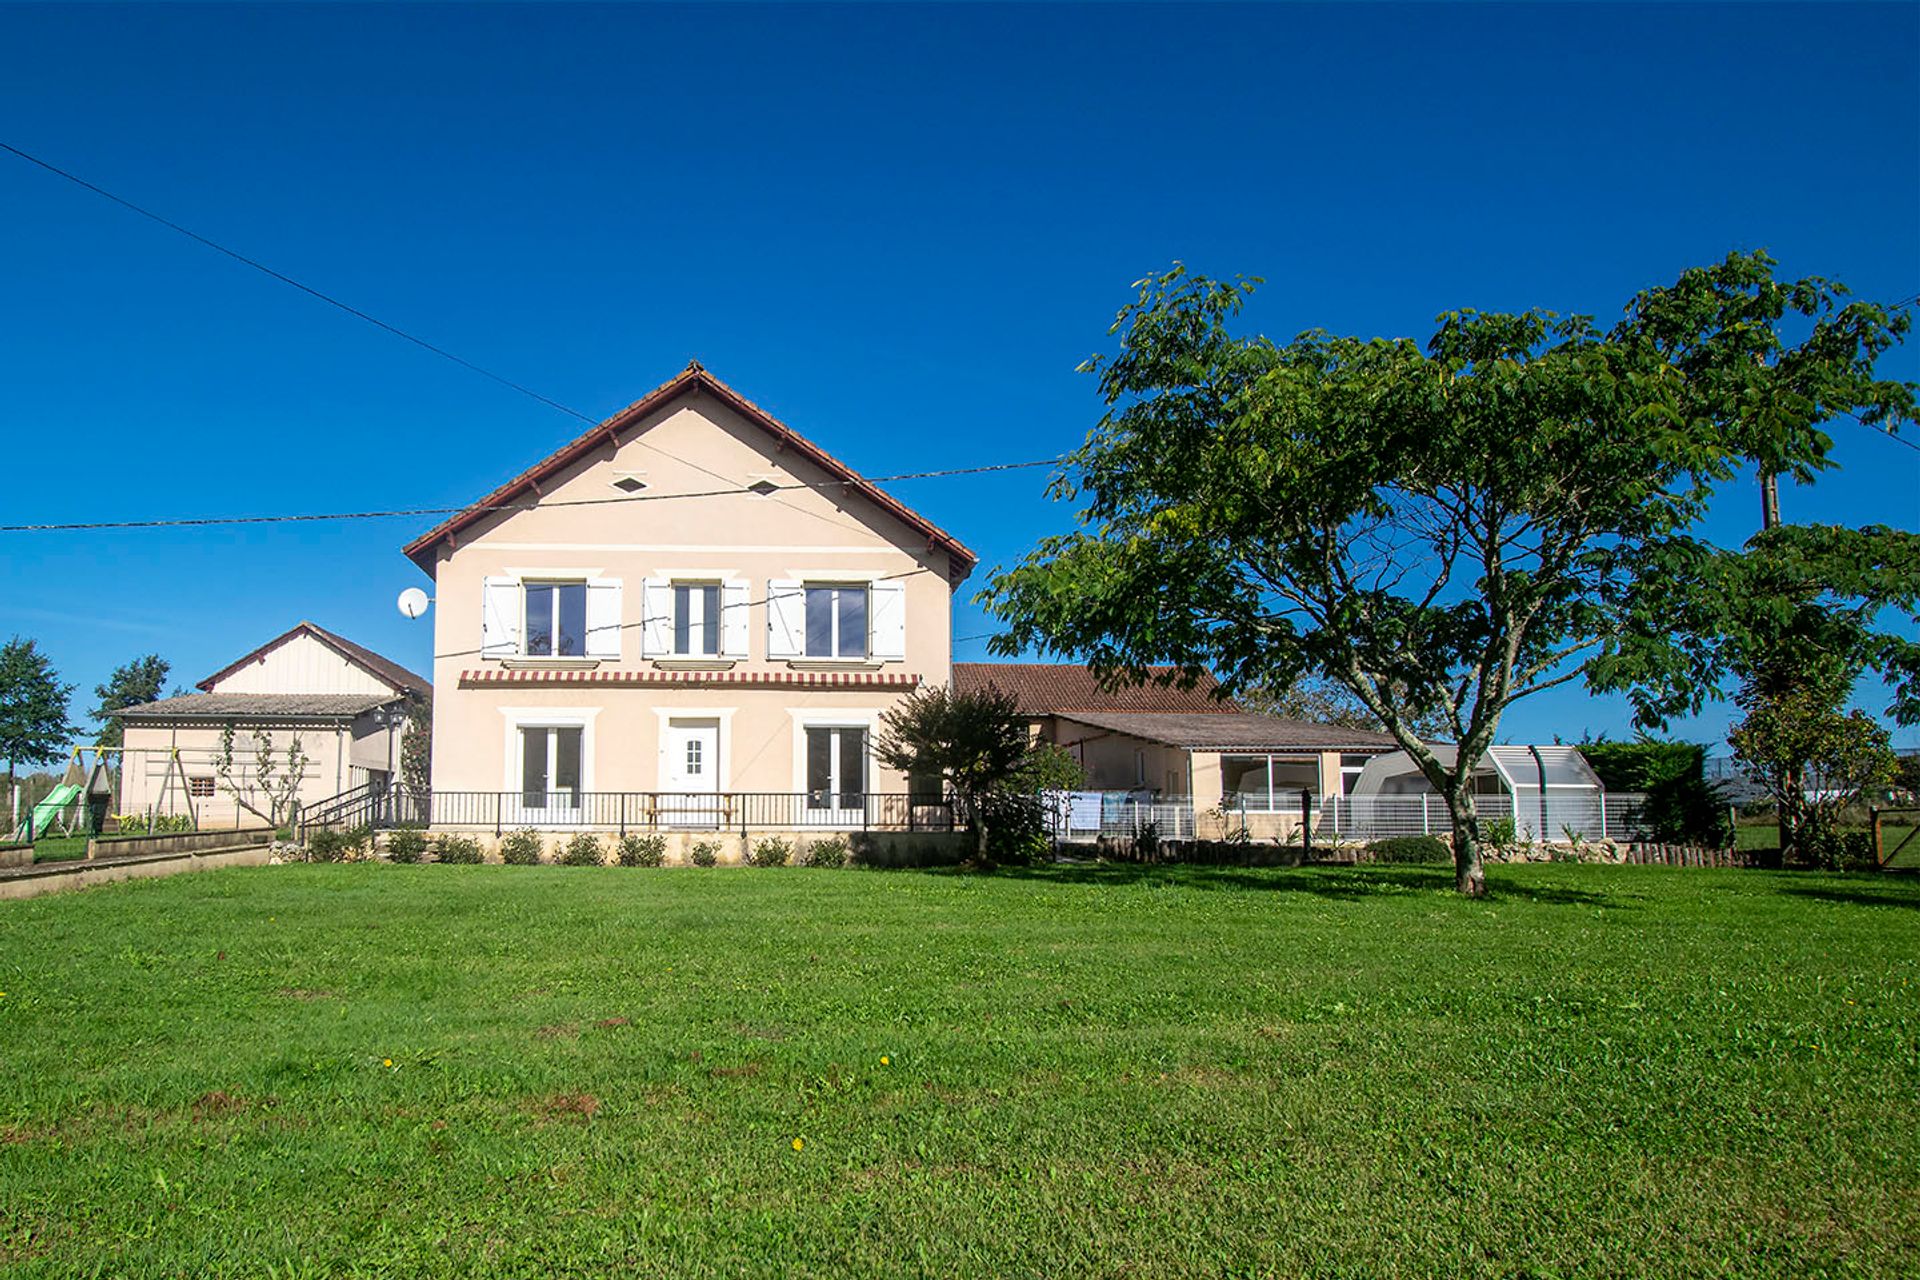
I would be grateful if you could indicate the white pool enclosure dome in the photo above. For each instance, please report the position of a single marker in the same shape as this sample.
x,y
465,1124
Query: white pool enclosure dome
x,y
1548,792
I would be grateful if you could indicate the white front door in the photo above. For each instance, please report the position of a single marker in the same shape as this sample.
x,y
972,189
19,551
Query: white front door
x,y
690,773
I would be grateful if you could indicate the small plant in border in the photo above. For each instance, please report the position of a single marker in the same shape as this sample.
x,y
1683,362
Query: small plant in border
x,y
327,845
642,851
705,853
831,852
583,850
771,852
408,844
457,850
521,848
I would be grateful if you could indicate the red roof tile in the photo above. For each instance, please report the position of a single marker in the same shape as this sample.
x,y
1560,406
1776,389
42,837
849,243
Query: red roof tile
x,y
1044,688
693,378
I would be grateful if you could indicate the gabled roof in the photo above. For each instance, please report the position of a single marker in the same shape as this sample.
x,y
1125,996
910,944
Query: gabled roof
x,y
693,379
1046,688
1235,731
366,659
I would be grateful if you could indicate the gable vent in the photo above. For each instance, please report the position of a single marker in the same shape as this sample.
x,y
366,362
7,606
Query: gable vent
x,y
628,484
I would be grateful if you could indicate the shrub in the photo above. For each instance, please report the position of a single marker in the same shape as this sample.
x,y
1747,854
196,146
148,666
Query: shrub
x,y
359,842
1682,807
521,848
642,851
408,844
457,850
583,850
771,852
1410,849
1499,833
831,852
705,852
327,845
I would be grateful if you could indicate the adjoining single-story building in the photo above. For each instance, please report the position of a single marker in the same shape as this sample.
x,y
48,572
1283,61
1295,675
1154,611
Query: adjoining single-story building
x,y
346,706
1183,748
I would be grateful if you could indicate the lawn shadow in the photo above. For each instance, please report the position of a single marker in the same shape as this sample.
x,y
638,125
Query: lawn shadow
x,y
1865,893
1341,883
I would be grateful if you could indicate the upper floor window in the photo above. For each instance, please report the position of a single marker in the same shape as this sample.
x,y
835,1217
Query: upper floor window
x,y
696,619
820,620
556,619
550,617
836,621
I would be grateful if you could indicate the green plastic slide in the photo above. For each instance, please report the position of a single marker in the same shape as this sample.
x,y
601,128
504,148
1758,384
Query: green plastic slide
x,y
48,811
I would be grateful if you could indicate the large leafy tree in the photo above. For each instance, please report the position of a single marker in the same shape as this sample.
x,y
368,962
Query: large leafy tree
x,y
1440,531
33,708
974,740
130,685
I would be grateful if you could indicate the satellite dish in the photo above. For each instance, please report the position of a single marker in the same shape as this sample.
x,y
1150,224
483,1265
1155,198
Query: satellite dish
x,y
413,602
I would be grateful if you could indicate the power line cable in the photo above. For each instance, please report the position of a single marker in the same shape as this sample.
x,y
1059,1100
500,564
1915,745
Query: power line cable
x,y
543,504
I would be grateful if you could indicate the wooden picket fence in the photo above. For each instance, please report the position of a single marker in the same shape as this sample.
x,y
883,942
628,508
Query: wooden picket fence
x,y
1684,855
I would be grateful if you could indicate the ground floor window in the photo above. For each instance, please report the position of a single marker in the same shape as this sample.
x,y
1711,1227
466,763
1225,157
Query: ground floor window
x,y
836,768
1267,784
550,767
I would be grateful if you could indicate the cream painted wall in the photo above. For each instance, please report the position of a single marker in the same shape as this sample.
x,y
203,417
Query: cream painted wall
x,y
302,665
143,779
795,534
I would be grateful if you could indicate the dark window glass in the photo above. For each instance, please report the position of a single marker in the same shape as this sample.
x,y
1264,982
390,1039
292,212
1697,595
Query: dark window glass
x,y
540,619
533,768
572,639
710,613
682,619
566,763
852,781
853,621
819,768
820,622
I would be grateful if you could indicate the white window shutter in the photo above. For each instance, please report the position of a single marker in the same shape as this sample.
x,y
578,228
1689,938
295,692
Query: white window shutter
x,y
500,617
603,618
735,610
887,611
656,621
786,619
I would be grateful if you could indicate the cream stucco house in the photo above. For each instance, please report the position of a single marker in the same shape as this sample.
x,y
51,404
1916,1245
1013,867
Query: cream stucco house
x,y
345,706
690,616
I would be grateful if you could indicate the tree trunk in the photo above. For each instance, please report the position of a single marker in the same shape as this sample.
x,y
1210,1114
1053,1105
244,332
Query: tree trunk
x,y
978,810
1469,875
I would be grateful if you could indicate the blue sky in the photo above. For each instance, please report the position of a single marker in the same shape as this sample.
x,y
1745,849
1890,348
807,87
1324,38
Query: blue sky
x,y
898,228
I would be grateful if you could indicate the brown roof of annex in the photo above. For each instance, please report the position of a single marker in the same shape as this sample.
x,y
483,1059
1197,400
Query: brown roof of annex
x,y
693,379
1048,688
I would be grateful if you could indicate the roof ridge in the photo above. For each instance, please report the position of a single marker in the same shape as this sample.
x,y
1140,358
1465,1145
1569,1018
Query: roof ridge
x,y
695,376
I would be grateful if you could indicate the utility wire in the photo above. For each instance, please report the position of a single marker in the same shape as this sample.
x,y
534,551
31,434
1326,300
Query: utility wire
x,y
542,504
358,314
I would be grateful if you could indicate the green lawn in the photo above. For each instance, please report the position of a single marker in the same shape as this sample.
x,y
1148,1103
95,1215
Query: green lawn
x,y
1604,1071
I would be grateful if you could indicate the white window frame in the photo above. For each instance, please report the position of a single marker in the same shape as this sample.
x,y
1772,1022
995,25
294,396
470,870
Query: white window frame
x,y
522,718
864,718
807,588
697,627
526,617
1273,804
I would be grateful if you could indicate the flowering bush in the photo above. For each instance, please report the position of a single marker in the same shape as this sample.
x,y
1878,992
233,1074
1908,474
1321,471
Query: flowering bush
x,y
521,848
642,851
